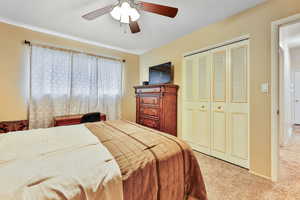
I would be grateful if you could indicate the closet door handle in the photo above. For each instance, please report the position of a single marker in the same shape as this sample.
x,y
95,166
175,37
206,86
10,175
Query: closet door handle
x,y
219,109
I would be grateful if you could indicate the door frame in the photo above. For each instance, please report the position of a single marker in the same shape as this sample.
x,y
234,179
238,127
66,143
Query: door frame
x,y
294,99
276,110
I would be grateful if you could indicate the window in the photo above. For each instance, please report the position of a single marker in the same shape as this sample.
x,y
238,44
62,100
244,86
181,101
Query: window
x,y
65,83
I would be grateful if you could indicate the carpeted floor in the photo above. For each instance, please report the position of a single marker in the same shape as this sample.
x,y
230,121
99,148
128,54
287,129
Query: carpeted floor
x,y
228,182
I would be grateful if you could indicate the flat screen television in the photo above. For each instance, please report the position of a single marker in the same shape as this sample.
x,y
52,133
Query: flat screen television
x,y
161,74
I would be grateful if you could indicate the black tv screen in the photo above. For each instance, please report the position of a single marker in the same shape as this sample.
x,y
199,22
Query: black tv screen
x,y
161,74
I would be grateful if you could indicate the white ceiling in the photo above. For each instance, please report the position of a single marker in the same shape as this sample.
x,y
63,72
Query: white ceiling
x,y
64,17
290,35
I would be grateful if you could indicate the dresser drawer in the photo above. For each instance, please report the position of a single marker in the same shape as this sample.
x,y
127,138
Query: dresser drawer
x,y
151,123
151,100
148,90
151,111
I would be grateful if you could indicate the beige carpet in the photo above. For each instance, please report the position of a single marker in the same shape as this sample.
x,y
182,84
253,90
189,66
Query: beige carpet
x,y
228,182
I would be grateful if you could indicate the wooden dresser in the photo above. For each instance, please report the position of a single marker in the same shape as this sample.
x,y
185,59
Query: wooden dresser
x,y
156,107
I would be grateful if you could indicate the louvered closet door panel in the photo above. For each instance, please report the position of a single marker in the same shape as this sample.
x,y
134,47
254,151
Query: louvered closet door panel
x,y
219,75
219,139
188,130
203,127
238,108
219,107
189,68
196,127
239,139
239,62
204,77
196,112
219,142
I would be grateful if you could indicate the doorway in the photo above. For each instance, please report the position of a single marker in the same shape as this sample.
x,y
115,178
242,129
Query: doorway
x,y
285,92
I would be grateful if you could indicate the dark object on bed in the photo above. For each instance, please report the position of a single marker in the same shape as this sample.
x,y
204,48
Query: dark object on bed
x,y
91,117
11,126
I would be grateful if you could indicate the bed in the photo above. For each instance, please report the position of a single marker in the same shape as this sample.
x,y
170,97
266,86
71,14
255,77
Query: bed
x,y
120,160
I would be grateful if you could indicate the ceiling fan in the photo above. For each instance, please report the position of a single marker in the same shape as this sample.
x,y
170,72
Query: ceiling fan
x,y
128,12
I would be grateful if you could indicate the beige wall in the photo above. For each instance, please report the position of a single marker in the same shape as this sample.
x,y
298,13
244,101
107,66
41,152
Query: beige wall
x,y
12,84
257,23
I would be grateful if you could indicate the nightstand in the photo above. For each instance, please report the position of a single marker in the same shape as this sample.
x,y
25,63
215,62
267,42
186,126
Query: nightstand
x,y
72,119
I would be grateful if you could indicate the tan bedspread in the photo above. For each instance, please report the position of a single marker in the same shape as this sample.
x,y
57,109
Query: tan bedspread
x,y
62,163
154,165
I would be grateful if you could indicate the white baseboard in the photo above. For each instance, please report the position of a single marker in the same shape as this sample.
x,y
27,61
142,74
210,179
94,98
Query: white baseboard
x,y
262,176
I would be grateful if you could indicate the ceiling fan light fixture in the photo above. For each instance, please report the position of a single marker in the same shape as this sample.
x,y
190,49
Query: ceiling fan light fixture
x,y
128,12
124,12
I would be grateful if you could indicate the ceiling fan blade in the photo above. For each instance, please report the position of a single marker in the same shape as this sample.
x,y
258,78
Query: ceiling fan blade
x,y
134,27
98,13
159,9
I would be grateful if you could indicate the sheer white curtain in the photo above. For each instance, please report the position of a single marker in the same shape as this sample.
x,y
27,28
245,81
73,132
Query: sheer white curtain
x,y
65,83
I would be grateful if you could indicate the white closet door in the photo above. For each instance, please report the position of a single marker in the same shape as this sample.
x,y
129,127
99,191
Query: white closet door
x,y
196,105
216,103
238,108
219,114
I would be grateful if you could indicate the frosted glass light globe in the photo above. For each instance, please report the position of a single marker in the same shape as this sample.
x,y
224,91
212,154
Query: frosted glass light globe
x,y
123,12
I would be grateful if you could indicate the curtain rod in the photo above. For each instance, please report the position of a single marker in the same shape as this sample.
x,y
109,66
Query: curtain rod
x,y
71,50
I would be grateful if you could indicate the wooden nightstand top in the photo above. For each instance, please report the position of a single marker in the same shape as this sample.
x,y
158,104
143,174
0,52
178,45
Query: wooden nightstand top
x,y
72,119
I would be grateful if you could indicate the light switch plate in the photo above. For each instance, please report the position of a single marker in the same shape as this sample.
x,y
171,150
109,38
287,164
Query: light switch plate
x,y
264,88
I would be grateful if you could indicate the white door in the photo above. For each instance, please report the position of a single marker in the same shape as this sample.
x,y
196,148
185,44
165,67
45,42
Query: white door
x,y
216,103
196,102
297,98
219,114
238,105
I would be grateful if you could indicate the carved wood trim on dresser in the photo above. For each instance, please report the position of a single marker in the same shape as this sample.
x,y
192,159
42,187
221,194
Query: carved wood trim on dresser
x,y
156,107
